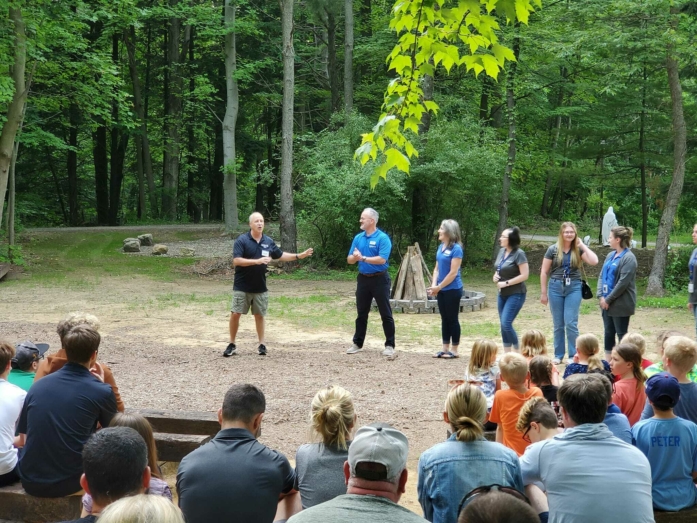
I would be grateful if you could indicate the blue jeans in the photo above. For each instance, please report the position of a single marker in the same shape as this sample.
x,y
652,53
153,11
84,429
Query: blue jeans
x,y
564,303
509,307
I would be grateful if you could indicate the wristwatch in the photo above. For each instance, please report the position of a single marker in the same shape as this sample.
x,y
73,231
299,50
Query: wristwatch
x,y
363,258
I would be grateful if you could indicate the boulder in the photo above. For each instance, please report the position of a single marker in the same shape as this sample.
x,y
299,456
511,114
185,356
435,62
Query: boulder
x,y
146,239
131,245
187,251
159,249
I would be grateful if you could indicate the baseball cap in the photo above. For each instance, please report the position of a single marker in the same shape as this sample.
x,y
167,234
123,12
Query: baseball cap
x,y
27,353
663,388
381,444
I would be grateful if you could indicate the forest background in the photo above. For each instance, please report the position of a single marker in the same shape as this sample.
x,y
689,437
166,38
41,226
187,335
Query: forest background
x,y
157,111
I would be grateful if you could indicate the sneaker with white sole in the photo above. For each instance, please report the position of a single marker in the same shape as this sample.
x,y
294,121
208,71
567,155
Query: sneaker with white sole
x,y
389,352
557,361
354,349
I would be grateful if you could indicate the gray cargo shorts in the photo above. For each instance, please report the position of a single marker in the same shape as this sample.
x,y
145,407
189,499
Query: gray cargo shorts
x,y
242,301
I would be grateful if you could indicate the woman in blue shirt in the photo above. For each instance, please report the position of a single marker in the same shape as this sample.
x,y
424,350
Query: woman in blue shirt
x,y
446,286
617,287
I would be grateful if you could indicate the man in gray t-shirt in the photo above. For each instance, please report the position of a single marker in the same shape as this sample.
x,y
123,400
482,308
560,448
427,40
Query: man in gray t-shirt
x,y
376,475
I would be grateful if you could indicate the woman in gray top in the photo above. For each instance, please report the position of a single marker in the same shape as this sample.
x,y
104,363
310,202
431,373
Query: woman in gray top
x,y
511,272
320,466
562,265
617,287
692,292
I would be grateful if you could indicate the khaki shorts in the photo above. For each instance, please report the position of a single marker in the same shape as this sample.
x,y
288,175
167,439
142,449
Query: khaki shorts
x,y
241,301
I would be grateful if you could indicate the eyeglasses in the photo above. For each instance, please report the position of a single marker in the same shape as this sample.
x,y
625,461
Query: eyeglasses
x,y
490,488
526,438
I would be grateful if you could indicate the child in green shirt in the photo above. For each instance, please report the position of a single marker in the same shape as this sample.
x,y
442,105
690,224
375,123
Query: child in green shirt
x,y
25,363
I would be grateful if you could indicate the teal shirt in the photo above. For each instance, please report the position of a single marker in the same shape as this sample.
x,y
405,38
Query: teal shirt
x,y
21,378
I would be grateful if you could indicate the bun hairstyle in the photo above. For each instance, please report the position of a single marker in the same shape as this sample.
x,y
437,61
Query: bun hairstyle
x,y
588,345
332,416
466,408
533,343
513,237
624,234
631,354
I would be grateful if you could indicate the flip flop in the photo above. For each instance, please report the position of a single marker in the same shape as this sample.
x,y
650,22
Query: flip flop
x,y
449,356
439,354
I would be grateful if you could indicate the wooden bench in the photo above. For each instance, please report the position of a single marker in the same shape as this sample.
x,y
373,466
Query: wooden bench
x,y
17,505
683,516
4,269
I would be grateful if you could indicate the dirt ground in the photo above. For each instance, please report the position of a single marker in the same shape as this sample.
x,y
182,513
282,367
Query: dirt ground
x,y
168,356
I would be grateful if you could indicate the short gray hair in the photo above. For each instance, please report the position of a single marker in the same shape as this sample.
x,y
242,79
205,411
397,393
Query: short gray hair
x,y
251,215
373,214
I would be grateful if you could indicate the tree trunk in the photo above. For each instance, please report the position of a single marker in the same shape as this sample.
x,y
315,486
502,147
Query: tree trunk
x,y
216,177
544,211
11,199
287,215
15,108
232,107
49,161
510,163
130,40
170,179
100,156
642,168
348,56
192,207
655,285
331,61
74,117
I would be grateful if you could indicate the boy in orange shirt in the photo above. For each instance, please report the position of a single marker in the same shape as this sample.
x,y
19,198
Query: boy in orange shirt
x,y
507,403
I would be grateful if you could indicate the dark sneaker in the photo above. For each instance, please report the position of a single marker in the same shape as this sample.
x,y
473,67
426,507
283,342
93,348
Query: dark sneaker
x,y
230,350
262,349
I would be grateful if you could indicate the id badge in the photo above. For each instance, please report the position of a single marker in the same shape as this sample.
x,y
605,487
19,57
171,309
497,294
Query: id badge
x,y
605,289
690,288
567,281
264,253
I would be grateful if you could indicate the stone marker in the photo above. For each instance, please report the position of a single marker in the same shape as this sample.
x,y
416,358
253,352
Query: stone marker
x,y
131,245
187,251
146,239
159,249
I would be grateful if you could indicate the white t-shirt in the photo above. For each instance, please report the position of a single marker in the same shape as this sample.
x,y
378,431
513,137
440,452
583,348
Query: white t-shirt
x,y
11,402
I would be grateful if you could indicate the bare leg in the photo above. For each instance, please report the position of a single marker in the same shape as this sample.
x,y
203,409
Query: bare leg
x,y
234,325
288,506
259,320
454,350
538,499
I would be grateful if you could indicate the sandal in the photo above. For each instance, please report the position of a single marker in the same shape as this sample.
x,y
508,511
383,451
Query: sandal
x,y
449,356
439,354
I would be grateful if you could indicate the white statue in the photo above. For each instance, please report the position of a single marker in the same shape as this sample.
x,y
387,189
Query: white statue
x,y
609,221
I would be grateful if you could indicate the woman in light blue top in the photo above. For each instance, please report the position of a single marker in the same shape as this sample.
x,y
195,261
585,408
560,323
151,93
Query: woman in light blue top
x,y
446,286
449,470
692,266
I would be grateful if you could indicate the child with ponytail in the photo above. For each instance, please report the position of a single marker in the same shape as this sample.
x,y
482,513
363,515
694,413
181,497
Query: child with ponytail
x,y
588,351
464,461
629,393
320,466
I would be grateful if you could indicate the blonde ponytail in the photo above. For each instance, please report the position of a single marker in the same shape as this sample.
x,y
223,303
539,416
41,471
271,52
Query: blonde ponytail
x,y
332,416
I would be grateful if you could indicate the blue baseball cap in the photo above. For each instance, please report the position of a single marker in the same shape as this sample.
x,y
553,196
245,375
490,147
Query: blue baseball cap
x,y
663,388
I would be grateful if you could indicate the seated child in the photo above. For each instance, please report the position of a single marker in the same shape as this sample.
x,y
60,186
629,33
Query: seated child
x,y
629,393
507,403
483,372
614,419
537,421
587,356
541,376
11,402
638,340
669,443
657,367
679,357
533,343
25,363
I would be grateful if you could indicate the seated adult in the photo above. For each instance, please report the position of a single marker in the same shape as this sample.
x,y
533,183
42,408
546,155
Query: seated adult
x,y
56,361
11,401
466,460
589,474
142,509
497,507
25,363
376,475
320,466
615,420
60,413
234,477
115,461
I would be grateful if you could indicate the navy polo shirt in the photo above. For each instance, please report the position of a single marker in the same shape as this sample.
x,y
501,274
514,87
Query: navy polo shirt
x,y
377,244
253,277
60,413
233,478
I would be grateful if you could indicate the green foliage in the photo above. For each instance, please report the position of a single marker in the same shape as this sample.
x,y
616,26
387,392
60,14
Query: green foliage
x,y
677,274
11,254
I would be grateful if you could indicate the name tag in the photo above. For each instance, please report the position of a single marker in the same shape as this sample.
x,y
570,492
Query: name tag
x,y
605,289
264,253
567,281
447,253
373,243
690,288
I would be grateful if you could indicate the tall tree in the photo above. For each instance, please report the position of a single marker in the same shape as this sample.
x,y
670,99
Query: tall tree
x,y
348,56
287,215
230,120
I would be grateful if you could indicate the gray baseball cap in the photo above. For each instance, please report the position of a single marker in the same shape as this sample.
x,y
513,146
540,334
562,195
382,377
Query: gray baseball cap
x,y
379,443
27,353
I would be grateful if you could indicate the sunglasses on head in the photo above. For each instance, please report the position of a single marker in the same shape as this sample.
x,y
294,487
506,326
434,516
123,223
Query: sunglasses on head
x,y
490,488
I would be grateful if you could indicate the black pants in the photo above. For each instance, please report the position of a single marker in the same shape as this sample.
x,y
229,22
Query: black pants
x,y
10,478
377,287
449,308
614,326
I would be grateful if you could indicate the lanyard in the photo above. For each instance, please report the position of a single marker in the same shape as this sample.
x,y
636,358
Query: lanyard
x,y
691,265
503,260
566,263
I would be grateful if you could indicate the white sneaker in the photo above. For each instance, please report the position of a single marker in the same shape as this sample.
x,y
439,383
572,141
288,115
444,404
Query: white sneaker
x,y
556,361
354,349
389,352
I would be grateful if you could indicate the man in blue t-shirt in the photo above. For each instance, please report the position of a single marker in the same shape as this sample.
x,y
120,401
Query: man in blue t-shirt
x,y
670,444
252,253
371,250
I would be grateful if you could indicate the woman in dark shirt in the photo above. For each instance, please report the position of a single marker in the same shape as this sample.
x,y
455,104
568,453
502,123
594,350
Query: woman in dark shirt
x,y
692,292
511,272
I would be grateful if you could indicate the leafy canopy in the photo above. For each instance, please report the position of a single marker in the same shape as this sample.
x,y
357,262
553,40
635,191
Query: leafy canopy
x,y
433,34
